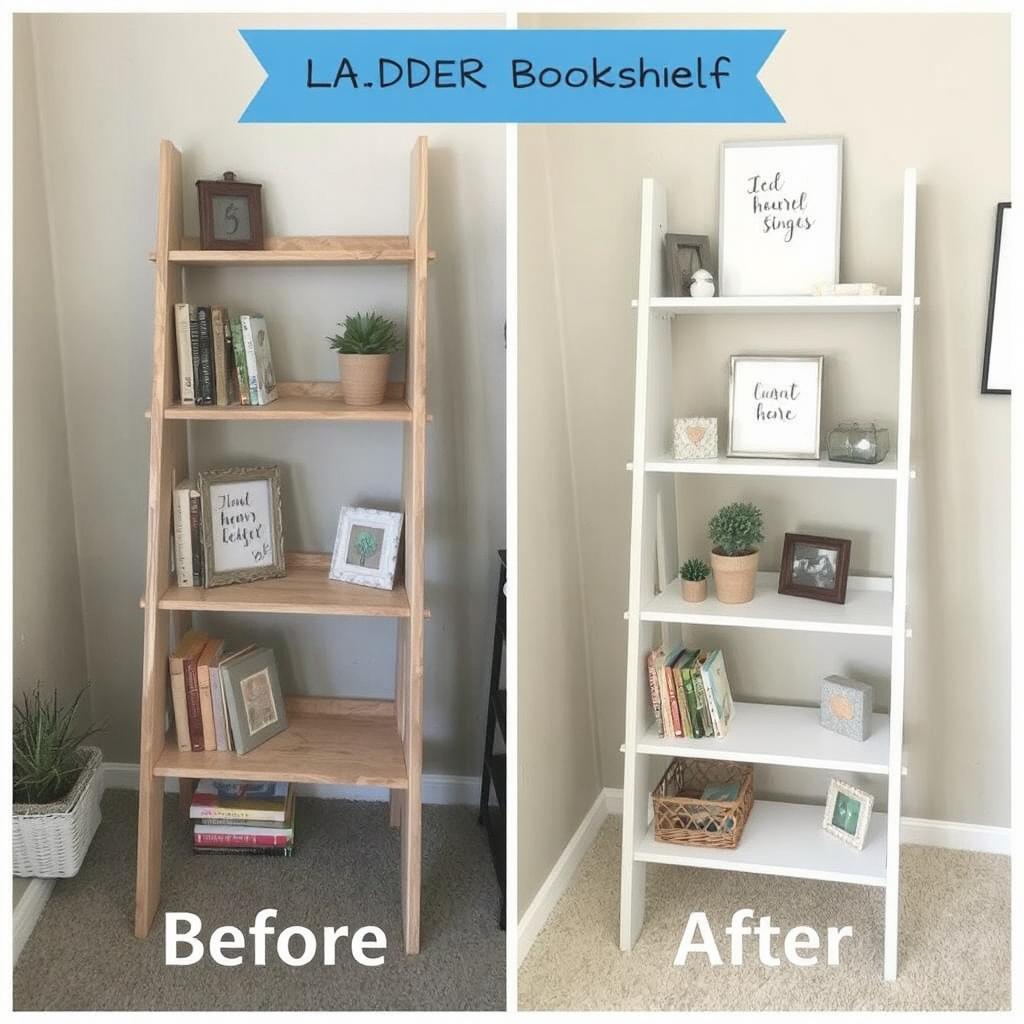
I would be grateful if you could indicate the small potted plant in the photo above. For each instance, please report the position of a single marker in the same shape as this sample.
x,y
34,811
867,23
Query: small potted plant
x,y
735,531
694,573
364,348
57,788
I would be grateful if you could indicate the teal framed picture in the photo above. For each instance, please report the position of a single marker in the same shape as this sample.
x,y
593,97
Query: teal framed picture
x,y
847,813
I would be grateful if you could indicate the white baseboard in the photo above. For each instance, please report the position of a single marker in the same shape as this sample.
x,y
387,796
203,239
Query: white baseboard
x,y
28,910
437,789
948,835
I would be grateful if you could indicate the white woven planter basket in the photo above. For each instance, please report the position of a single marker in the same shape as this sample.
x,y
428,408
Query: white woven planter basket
x,y
51,840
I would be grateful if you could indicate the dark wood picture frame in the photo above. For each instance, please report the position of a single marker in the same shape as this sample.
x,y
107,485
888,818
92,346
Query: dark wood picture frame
x,y
250,191
1001,208
835,594
677,284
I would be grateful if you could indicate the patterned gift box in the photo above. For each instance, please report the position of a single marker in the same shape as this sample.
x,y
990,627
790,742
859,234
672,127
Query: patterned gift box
x,y
695,437
846,707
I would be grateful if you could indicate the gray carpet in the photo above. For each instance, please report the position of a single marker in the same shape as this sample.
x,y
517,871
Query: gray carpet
x,y
954,940
82,954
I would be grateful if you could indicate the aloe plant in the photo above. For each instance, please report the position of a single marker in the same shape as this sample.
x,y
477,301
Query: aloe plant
x,y
367,334
736,529
695,570
46,760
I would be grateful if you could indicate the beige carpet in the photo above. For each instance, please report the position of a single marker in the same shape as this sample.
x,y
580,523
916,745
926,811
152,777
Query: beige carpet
x,y
954,940
82,954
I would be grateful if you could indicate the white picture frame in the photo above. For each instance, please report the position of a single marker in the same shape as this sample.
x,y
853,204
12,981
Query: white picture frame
x,y
775,407
847,813
366,547
997,371
779,216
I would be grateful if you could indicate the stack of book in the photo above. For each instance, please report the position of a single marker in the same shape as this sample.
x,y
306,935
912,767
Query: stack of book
x,y
224,701
243,817
222,359
689,692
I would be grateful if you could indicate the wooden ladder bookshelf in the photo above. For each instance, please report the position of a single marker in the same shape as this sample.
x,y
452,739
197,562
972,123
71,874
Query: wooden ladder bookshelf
x,y
330,740
781,838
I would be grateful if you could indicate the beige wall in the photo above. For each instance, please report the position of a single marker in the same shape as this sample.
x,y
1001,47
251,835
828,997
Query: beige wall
x,y
875,80
558,777
114,86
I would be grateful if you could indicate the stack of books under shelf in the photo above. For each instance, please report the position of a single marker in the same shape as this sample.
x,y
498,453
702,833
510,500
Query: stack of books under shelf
x,y
689,692
243,817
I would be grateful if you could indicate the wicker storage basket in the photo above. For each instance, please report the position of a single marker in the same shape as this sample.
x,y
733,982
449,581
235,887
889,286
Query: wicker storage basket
x,y
51,840
681,816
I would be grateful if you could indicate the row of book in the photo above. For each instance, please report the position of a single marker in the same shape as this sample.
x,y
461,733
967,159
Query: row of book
x,y
224,701
243,817
689,692
223,359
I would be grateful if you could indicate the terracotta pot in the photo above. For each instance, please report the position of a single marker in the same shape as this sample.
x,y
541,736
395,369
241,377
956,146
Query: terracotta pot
x,y
695,590
363,378
735,576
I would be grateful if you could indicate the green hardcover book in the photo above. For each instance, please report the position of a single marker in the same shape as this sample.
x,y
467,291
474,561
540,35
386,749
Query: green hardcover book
x,y
700,694
691,698
681,668
241,371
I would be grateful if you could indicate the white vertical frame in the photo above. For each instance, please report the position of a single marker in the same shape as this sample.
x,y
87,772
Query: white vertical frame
x,y
899,576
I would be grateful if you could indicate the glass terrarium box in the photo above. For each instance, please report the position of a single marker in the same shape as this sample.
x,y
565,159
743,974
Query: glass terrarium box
x,y
857,442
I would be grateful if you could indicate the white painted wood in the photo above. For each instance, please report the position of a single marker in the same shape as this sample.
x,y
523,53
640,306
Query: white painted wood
x,y
867,611
783,839
28,911
784,735
956,835
899,590
779,304
726,466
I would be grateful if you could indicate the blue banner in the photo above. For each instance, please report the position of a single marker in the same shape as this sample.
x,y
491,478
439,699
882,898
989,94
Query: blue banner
x,y
529,76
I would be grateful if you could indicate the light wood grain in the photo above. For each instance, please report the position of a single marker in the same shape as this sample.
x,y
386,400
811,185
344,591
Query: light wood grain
x,y
342,749
298,407
299,250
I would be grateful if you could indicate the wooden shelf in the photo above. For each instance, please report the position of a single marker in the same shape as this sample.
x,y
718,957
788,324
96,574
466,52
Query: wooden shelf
x,y
300,250
302,408
867,612
784,735
780,304
306,590
823,467
340,742
783,839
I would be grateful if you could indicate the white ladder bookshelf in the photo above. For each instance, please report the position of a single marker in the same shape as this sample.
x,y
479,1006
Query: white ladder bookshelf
x,y
780,838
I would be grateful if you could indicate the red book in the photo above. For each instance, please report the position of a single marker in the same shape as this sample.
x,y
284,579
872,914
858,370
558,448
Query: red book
x,y
193,704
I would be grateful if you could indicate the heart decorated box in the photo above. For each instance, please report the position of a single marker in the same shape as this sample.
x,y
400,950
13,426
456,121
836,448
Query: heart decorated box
x,y
695,437
846,707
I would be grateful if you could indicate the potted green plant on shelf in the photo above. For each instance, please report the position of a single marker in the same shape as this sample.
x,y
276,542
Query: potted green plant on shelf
x,y
735,531
364,349
694,573
57,787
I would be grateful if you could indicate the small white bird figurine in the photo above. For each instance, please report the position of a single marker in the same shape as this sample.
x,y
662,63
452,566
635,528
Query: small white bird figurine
x,y
703,285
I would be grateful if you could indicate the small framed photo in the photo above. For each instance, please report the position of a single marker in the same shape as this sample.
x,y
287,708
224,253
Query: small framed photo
x,y
815,567
252,694
775,407
243,536
685,254
230,214
999,333
847,813
366,547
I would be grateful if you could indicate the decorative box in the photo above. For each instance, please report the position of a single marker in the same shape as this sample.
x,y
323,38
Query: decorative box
x,y
855,442
846,707
695,437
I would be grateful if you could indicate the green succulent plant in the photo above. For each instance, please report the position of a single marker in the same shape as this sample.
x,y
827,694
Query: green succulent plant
x,y
695,569
46,760
366,334
736,529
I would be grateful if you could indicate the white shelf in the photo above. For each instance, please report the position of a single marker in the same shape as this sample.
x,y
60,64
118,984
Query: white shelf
x,y
783,735
867,612
823,467
779,304
783,839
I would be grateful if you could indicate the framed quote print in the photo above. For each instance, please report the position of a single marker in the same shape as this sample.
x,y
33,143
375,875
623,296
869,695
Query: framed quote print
x,y
779,209
775,407
998,367
243,539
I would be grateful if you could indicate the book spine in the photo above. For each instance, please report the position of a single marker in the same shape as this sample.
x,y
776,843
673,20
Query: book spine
x,y
195,518
220,366
241,371
250,851
217,697
684,712
180,707
673,704
652,683
200,811
183,537
227,839
193,334
183,332
205,379
698,696
691,703
265,364
250,361
206,708
193,708
709,700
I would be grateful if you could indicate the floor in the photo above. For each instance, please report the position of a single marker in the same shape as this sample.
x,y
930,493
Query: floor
x,y
82,954
954,939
